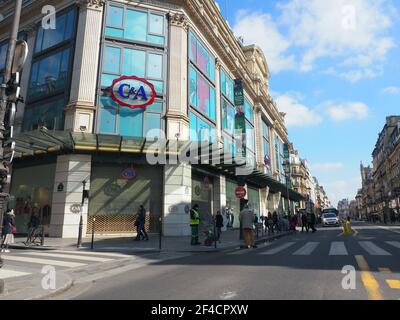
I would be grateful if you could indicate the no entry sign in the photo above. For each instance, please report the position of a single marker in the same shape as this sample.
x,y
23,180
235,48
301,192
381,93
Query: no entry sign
x,y
240,192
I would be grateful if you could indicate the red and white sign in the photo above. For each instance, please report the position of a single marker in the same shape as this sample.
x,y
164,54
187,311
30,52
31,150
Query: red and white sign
x,y
240,192
128,174
133,92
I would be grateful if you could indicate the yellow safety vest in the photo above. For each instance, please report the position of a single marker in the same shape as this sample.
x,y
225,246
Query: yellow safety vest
x,y
196,220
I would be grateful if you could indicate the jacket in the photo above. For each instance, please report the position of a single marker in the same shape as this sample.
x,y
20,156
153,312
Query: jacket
x,y
219,221
246,218
194,217
8,223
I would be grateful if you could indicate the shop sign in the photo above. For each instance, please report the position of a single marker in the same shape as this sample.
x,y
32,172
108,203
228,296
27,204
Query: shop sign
x,y
238,93
133,92
240,192
128,174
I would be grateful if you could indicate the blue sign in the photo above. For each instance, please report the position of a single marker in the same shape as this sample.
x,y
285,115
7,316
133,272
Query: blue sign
x,y
128,174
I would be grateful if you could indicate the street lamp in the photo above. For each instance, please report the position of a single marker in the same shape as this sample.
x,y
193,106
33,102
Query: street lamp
x,y
84,196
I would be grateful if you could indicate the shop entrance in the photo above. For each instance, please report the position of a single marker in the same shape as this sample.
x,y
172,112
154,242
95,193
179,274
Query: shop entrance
x,y
202,194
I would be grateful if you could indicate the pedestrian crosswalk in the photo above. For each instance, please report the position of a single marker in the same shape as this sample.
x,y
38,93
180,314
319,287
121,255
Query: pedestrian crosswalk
x,y
24,263
334,248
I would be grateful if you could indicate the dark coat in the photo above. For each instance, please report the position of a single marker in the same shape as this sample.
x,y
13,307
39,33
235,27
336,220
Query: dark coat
x,y
142,216
8,223
219,221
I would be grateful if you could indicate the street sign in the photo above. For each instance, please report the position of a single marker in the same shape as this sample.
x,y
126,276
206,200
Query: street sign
x,y
240,192
20,55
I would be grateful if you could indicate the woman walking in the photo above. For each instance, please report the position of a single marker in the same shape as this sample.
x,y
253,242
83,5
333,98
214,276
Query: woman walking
x,y
8,230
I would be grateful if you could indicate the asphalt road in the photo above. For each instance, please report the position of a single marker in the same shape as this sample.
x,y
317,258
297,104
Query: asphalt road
x,y
296,267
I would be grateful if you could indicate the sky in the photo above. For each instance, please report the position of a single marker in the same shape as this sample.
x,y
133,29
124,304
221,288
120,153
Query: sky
x,y
335,72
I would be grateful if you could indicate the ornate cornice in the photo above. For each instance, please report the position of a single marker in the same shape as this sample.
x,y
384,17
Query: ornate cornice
x,y
178,20
93,4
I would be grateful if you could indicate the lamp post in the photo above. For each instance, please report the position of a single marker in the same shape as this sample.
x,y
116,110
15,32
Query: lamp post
x,y
81,217
287,172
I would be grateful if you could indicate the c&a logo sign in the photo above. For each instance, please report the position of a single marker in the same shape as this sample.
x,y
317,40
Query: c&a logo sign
x,y
132,92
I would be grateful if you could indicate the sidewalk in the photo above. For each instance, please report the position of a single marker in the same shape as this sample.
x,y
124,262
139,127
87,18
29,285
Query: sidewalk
x,y
127,244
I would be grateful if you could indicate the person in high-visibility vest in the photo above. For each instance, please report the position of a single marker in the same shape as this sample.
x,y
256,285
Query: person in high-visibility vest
x,y
347,230
194,224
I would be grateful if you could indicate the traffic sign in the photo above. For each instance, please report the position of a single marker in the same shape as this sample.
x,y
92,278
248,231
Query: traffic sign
x,y
240,192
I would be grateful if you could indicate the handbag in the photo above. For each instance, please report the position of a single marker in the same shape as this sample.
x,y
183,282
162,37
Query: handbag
x,y
13,229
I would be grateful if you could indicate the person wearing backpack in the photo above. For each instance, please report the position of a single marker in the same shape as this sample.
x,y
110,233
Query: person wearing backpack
x,y
194,224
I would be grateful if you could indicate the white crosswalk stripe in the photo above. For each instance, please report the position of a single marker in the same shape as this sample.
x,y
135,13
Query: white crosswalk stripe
x,y
8,273
338,249
278,248
307,249
95,253
59,263
373,249
70,256
395,244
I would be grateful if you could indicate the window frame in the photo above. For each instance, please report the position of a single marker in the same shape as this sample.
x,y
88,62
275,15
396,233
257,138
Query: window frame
x,y
194,63
134,8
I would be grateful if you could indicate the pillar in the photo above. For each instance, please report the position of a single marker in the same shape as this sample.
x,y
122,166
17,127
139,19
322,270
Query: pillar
x,y
71,170
177,113
177,199
79,114
220,197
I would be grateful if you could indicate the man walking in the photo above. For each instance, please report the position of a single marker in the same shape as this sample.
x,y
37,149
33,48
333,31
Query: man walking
x,y
304,224
246,218
219,224
141,224
194,224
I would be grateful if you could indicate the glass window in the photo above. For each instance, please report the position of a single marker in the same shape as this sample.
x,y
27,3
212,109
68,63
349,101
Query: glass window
x,y
201,57
227,85
250,143
49,75
153,122
108,112
154,66
200,130
134,63
115,16
228,116
248,111
50,115
202,95
139,25
47,38
156,24
112,60
131,122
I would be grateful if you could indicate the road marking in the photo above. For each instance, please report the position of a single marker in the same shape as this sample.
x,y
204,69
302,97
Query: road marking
x,y
340,234
395,244
393,284
69,256
384,270
368,279
6,273
45,261
307,249
94,253
278,249
338,249
373,249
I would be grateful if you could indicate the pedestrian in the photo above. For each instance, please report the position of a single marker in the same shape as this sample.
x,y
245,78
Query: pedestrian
x,y
140,224
219,224
304,224
311,220
269,223
194,224
293,223
8,230
275,221
33,225
246,218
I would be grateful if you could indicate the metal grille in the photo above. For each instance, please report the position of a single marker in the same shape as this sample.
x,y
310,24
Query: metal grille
x,y
117,224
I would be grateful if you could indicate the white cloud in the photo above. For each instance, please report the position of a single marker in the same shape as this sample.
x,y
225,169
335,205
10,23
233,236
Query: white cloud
x,y
391,90
342,189
309,30
297,114
327,166
259,28
346,111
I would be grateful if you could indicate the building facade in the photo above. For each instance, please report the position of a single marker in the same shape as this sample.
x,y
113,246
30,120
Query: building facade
x,y
74,134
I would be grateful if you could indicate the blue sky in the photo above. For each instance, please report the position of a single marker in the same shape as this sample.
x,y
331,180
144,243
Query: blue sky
x,y
334,70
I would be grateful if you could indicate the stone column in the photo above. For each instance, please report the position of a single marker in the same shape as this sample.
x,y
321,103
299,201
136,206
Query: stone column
x,y
71,170
258,134
177,111
79,115
30,30
218,96
177,199
220,197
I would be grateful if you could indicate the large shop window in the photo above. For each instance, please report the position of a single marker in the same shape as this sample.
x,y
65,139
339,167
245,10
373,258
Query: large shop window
x,y
135,25
130,122
32,188
250,133
201,57
47,38
146,64
266,147
48,114
201,130
49,75
201,94
228,116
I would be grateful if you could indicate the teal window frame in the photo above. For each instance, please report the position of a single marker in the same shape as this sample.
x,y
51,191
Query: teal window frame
x,y
227,86
209,71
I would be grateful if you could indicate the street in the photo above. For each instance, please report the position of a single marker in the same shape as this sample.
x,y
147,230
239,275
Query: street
x,y
299,266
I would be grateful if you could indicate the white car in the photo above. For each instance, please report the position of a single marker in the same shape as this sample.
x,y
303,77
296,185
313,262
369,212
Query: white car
x,y
330,219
